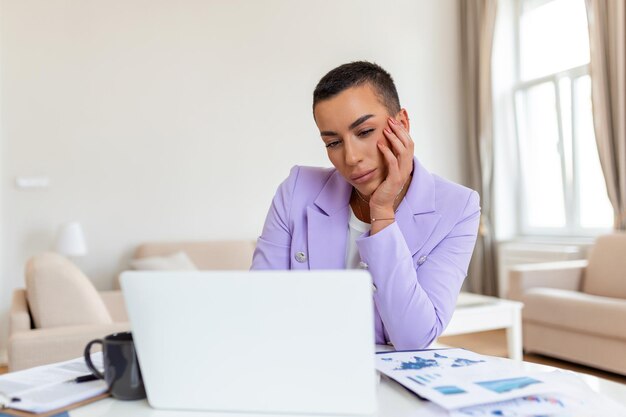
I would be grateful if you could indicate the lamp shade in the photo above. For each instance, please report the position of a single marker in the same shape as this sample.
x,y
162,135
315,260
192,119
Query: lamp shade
x,y
71,240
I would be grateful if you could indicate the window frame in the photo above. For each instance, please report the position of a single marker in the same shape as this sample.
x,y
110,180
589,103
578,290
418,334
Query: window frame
x,y
567,151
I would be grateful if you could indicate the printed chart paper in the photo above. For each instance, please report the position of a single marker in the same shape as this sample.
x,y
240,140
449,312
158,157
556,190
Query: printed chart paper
x,y
455,378
529,406
574,399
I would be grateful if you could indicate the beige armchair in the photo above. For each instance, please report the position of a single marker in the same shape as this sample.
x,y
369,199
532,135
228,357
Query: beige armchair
x,y
47,326
29,346
59,313
576,310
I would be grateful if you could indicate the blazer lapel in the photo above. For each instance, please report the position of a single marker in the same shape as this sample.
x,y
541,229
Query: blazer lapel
x,y
328,216
416,228
416,214
327,225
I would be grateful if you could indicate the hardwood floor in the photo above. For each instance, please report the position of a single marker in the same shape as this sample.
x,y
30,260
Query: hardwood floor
x,y
494,343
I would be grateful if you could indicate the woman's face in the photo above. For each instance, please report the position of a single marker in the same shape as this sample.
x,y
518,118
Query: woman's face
x,y
351,124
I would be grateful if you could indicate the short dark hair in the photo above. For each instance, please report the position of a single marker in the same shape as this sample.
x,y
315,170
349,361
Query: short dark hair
x,y
355,74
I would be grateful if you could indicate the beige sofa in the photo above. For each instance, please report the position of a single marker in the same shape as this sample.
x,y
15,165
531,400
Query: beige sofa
x,y
576,310
206,255
30,346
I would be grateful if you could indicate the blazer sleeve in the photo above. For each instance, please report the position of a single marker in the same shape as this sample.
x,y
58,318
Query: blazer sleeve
x,y
416,303
273,246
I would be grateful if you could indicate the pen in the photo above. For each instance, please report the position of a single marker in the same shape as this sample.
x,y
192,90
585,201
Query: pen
x,y
4,403
85,378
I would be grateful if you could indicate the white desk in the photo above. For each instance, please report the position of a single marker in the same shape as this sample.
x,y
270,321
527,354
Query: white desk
x,y
393,401
479,313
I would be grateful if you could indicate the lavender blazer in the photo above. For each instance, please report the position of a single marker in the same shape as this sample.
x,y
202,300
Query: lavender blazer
x,y
417,263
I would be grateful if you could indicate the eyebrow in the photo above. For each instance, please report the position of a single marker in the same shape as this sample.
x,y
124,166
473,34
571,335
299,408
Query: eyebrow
x,y
354,124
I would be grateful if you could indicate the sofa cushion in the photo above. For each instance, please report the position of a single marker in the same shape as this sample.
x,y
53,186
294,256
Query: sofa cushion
x,y
59,294
178,261
584,313
206,255
606,272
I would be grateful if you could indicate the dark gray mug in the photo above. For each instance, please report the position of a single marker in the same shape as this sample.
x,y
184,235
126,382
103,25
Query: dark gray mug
x,y
121,368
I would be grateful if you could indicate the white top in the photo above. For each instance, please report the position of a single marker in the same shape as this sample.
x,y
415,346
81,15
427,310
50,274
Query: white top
x,y
356,229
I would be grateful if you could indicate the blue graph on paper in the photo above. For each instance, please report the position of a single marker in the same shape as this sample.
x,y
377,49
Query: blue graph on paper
x,y
425,379
539,405
509,384
438,361
418,363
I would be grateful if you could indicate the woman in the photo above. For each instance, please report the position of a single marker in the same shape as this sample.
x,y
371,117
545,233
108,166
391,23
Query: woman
x,y
377,209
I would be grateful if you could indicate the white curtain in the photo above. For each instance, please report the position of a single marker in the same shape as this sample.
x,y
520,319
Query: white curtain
x,y
607,41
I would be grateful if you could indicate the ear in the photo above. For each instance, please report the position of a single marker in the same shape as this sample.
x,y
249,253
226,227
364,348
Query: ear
x,y
403,118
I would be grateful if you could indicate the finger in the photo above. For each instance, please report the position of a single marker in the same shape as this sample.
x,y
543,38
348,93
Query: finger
x,y
404,154
400,132
395,142
404,136
392,162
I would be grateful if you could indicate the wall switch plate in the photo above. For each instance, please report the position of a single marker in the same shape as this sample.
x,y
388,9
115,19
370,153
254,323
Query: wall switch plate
x,y
27,183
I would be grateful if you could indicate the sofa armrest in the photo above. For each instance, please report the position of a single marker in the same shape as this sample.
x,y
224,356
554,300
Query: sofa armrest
x,y
566,275
42,346
114,301
19,315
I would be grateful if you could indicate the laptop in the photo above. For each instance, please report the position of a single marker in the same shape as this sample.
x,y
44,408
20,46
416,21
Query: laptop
x,y
255,341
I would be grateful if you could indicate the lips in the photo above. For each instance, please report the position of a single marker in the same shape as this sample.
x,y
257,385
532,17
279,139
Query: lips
x,y
361,177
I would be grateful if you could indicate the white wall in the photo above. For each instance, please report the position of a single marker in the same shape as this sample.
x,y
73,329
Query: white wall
x,y
163,120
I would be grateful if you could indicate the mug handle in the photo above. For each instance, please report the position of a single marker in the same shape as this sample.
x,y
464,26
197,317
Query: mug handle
x,y
87,354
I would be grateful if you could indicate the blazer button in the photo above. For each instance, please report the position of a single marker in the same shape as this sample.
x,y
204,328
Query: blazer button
x,y
300,257
421,260
363,265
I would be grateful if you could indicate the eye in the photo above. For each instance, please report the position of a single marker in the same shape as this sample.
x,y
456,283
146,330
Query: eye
x,y
333,144
365,133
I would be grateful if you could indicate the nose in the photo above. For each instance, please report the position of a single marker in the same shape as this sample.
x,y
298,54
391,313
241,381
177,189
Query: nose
x,y
352,153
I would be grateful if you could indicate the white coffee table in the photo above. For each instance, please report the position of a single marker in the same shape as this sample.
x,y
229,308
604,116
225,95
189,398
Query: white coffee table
x,y
479,313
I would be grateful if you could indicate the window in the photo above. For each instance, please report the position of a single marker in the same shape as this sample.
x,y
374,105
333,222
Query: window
x,y
561,187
